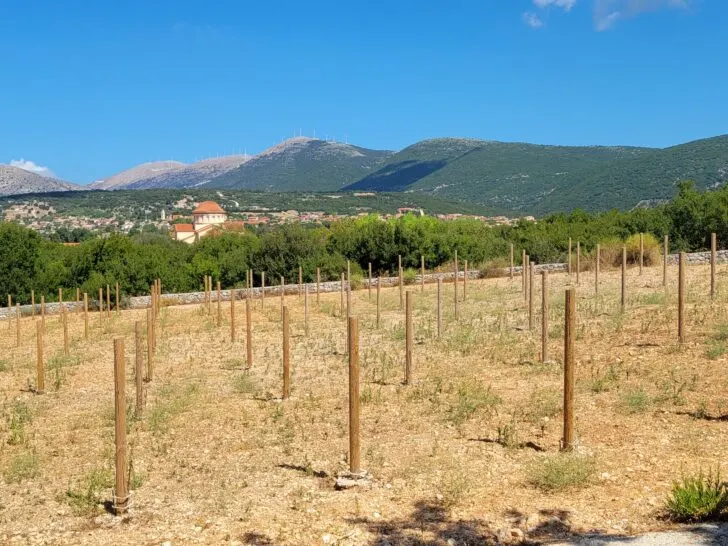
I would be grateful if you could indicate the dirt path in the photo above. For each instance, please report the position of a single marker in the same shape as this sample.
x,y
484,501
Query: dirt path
x,y
699,535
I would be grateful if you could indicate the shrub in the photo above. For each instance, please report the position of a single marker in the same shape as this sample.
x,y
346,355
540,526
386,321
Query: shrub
x,y
611,251
634,401
22,467
563,471
409,275
697,498
497,267
470,398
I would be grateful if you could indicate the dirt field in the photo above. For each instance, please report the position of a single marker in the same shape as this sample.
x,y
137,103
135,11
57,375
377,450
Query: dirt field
x,y
466,454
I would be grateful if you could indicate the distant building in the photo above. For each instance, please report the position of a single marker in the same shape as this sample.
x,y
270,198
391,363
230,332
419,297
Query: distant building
x,y
205,217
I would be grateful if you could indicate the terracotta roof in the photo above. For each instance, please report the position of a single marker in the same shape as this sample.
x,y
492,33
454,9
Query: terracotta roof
x,y
184,228
208,207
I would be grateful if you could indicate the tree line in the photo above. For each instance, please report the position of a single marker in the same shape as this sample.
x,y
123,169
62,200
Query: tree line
x,y
29,261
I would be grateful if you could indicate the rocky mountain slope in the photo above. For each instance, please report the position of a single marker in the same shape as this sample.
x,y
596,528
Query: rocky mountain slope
x,y
15,181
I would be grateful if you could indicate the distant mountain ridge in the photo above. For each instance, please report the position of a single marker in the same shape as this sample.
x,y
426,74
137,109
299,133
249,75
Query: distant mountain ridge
x,y
16,181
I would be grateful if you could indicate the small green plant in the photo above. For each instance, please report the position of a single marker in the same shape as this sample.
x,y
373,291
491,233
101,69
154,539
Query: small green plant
x,y
453,485
244,384
84,496
409,275
234,364
698,498
508,434
4,366
715,350
634,401
655,298
562,471
471,397
22,467
544,403
20,415
603,380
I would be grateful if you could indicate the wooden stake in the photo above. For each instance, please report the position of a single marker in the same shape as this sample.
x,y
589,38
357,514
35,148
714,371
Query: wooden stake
x,y
85,315
523,271
530,297
568,263
578,261
78,300
232,315
248,333
262,289
713,248
408,340
681,300
379,286
60,296
343,284
118,309
665,247
32,304
121,491
624,278
219,305
282,294
597,265
42,310
305,308
511,269
318,285
567,443
422,273
439,307
101,307
108,302
40,367
150,346
348,271
17,324
457,274
544,315
642,251
465,279
401,284
526,269
370,282
300,281
354,447
64,318
286,356
138,363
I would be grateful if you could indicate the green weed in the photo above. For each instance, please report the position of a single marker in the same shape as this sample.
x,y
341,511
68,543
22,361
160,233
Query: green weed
x,y
698,498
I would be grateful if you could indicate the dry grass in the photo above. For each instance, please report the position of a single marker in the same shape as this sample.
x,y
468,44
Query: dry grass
x,y
218,457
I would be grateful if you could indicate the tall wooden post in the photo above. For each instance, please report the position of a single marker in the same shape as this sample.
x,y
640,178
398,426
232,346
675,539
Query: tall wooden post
x,y
530,297
578,261
60,296
108,302
138,364
286,356
118,309
681,300
642,251
354,448
248,333
121,491
262,289
64,318
42,310
455,285
369,286
150,345
408,339
569,332
101,307
379,287
511,269
342,288
544,315
526,269
300,281
523,271
85,315
713,245
465,279
17,324
665,247
624,278
318,284
305,309
40,367
78,300
439,307
232,315
597,265
283,297
568,262
219,305
422,273
401,283
32,304
348,271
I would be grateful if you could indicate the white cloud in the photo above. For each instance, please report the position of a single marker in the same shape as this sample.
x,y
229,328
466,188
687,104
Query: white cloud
x,y
566,5
532,20
32,167
607,12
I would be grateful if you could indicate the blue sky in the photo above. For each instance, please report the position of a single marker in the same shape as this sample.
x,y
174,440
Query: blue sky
x,y
89,88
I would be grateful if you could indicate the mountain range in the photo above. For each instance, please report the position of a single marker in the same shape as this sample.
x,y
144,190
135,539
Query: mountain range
x,y
518,177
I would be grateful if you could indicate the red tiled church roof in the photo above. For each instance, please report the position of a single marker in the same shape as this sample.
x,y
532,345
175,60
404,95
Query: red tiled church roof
x,y
184,228
208,207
